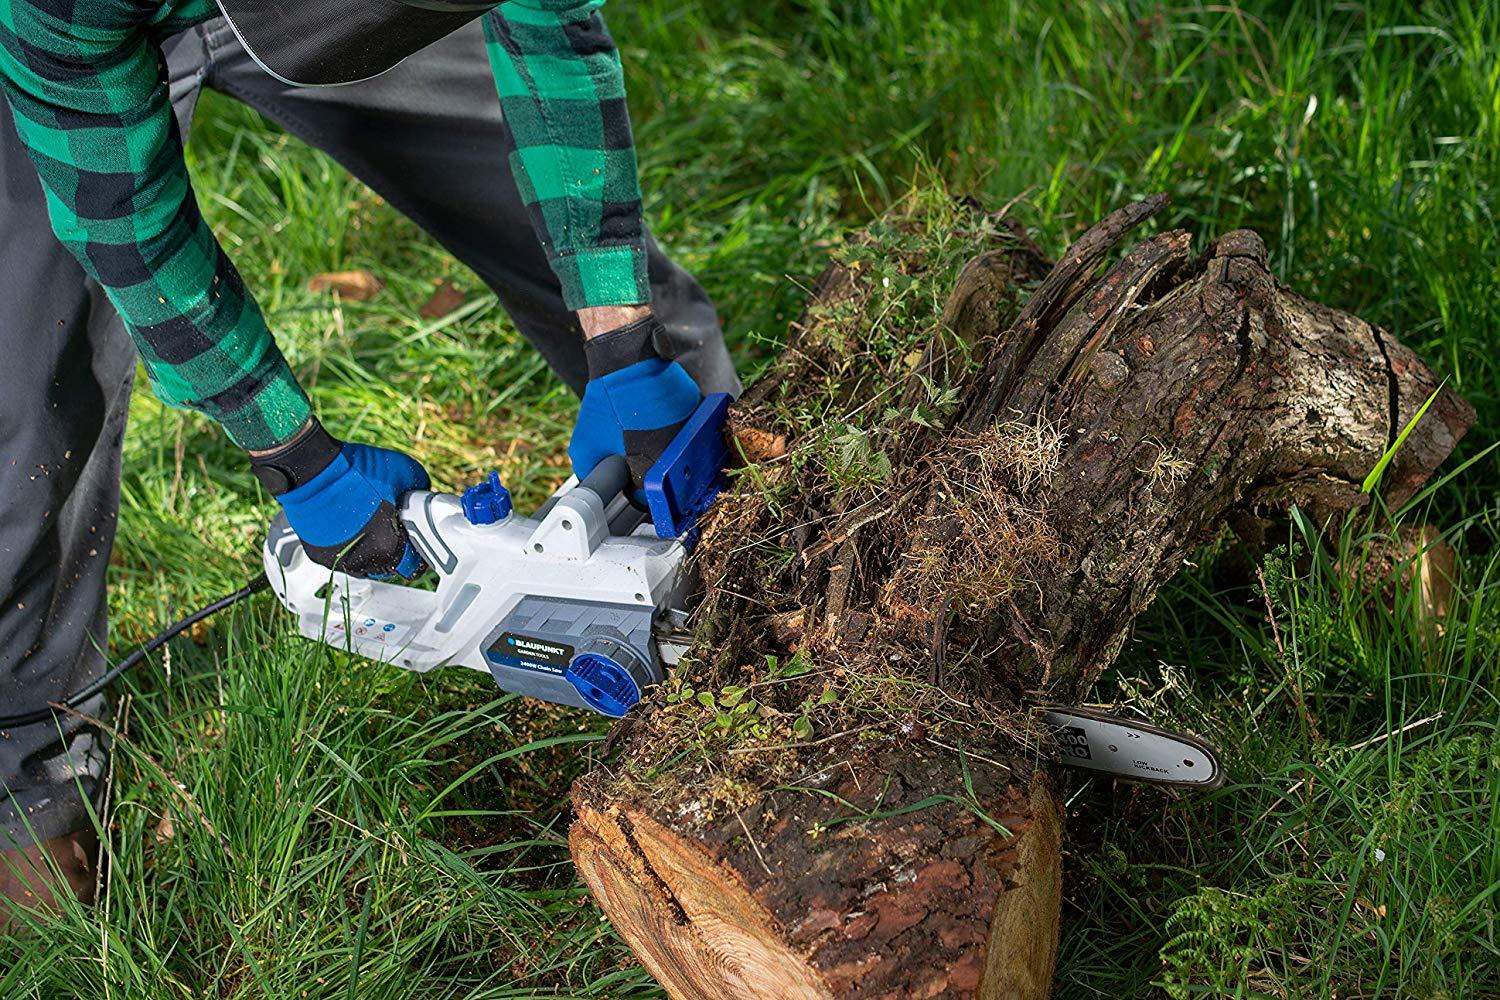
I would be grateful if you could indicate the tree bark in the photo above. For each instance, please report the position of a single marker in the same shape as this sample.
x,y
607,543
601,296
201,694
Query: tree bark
x,y
951,513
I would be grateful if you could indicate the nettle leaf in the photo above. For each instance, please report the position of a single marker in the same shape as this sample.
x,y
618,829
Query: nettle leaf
x,y
796,667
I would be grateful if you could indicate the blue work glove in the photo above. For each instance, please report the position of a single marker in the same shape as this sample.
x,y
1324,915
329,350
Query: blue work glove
x,y
635,403
344,501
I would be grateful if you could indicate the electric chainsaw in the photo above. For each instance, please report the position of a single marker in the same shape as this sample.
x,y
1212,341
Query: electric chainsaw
x,y
585,603
574,605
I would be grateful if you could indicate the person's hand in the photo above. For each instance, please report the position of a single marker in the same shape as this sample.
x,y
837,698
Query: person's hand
x,y
343,501
635,402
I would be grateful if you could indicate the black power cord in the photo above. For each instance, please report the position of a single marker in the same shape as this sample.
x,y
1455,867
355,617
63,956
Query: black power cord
x,y
134,660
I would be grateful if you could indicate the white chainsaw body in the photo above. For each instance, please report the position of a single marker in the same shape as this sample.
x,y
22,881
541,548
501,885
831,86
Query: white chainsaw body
x,y
581,552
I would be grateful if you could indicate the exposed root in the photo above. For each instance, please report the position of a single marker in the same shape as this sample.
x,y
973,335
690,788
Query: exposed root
x,y
1026,453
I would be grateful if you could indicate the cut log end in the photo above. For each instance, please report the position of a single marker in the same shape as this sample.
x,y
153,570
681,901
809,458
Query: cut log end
x,y
935,902
697,931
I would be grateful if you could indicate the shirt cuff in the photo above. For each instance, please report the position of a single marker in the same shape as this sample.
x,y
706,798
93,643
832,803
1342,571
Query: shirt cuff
x,y
271,417
604,276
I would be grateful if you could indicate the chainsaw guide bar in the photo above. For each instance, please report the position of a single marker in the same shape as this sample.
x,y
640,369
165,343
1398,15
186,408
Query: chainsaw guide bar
x,y
1093,740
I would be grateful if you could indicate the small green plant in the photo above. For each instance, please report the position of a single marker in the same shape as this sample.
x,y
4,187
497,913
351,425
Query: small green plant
x,y
1228,943
734,716
854,460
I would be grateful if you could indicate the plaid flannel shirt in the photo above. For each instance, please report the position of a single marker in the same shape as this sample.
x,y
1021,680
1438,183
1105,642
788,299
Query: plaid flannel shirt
x,y
87,84
563,92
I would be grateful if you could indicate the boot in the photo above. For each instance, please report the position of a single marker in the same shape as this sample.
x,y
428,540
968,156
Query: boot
x,y
28,882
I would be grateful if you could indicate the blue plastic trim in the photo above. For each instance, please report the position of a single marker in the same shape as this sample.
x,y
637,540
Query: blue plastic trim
x,y
604,684
684,482
486,502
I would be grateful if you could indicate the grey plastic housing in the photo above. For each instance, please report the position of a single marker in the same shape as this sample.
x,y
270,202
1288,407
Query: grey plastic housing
x,y
530,649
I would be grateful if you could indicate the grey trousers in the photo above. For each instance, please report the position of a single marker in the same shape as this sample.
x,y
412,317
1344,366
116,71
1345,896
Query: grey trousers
x,y
428,137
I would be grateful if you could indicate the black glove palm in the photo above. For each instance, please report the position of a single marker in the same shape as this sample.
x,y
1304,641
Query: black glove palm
x,y
343,501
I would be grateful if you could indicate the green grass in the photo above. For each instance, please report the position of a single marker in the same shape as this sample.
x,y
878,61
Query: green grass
x,y
337,829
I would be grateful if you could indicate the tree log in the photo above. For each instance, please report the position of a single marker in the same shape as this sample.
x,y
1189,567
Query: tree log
x,y
959,507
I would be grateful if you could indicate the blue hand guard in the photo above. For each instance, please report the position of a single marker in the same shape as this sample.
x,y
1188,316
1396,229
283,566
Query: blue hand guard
x,y
348,516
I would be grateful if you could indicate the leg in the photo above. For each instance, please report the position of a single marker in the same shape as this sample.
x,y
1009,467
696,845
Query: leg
x,y
62,417
68,372
429,138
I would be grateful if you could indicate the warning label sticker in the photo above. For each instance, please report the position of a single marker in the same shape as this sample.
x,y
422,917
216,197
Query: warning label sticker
x,y
370,630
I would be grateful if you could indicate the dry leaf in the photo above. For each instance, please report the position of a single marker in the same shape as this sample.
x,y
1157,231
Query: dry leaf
x,y
1428,564
445,298
166,829
199,633
356,286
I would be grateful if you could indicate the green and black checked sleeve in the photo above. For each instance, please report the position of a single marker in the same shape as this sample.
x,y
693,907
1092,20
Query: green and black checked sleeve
x,y
87,84
562,91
